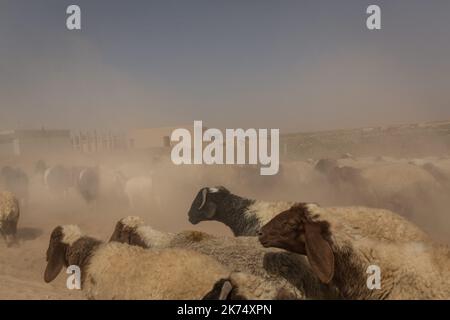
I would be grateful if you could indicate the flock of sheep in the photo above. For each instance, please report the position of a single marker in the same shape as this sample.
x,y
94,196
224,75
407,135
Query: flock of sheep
x,y
280,249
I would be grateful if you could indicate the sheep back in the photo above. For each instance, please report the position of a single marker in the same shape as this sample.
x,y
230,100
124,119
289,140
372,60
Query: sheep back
x,y
9,207
119,271
380,224
280,269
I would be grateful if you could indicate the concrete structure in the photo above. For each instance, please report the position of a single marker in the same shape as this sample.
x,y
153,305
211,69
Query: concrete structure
x,y
31,142
94,141
154,138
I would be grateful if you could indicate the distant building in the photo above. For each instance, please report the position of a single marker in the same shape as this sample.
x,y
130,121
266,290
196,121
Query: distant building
x,y
154,138
94,141
32,142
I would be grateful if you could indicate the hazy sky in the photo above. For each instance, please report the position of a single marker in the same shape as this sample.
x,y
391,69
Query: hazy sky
x,y
290,64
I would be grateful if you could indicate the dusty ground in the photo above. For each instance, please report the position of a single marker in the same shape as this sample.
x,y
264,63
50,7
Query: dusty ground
x,y
22,266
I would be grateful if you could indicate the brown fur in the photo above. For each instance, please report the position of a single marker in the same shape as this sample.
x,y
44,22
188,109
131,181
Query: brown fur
x,y
196,236
61,255
299,232
410,270
126,234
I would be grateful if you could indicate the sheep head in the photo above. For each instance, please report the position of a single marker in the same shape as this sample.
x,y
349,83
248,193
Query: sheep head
x,y
206,203
222,290
244,286
126,231
296,231
61,238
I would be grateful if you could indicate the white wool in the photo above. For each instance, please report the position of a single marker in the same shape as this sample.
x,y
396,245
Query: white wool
x,y
213,190
313,208
409,270
9,208
120,271
71,233
252,287
241,253
154,238
132,221
372,223
358,221
265,211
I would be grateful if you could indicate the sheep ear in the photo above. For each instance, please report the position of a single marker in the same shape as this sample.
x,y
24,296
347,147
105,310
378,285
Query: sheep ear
x,y
220,291
116,234
319,253
135,240
226,290
55,261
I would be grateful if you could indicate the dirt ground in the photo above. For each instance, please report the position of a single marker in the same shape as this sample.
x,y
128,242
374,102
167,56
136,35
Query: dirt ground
x,y
22,266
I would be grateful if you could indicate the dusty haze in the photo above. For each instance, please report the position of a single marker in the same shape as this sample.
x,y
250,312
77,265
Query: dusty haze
x,y
307,68
293,65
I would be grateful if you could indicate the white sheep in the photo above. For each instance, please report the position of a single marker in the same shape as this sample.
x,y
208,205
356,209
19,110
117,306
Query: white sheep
x,y
245,217
140,192
9,216
408,270
280,271
119,271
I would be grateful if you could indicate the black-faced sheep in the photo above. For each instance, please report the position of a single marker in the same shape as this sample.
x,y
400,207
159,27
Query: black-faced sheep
x,y
119,271
242,215
246,216
409,270
9,216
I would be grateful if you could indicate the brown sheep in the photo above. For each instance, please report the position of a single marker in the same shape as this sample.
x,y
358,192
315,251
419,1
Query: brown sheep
x,y
410,270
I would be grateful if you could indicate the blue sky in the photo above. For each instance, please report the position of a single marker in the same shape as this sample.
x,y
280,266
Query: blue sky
x,y
295,65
